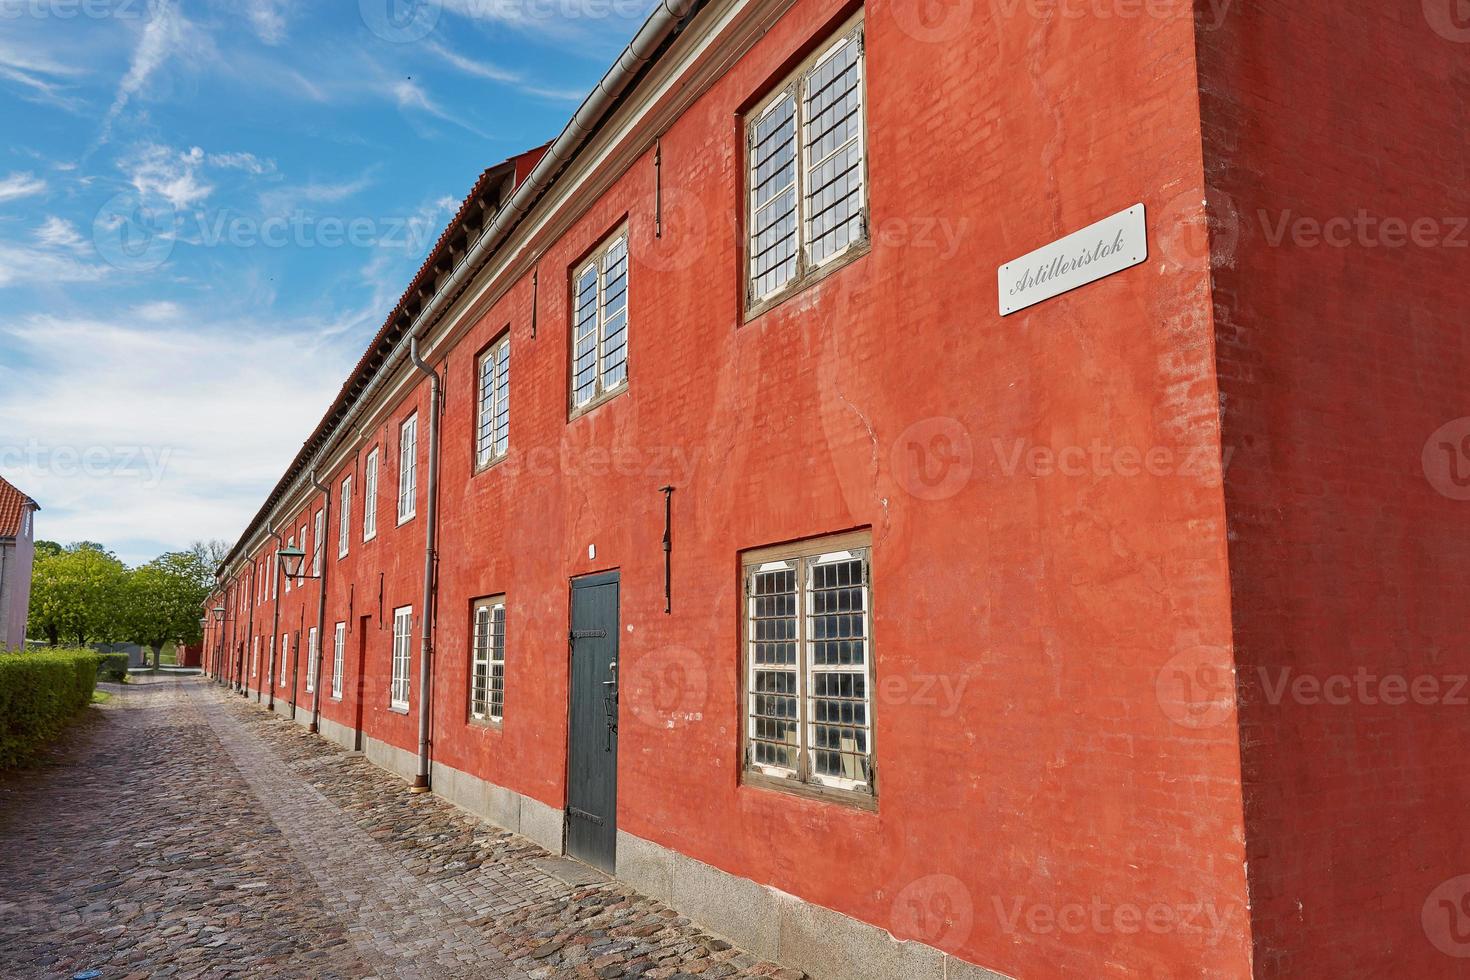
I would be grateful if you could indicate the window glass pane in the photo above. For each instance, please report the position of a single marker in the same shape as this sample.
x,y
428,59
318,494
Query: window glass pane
x,y
479,674
837,701
773,668
772,243
615,315
584,338
497,663
832,144
484,434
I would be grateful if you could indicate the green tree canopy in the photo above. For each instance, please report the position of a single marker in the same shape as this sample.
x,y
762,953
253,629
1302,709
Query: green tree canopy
x,y
77,594
165,599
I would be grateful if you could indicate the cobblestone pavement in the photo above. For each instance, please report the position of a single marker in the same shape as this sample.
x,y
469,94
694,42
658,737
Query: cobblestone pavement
x,y
181,831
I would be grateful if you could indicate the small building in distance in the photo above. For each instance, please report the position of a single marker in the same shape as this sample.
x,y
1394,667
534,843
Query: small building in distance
x,y
17,551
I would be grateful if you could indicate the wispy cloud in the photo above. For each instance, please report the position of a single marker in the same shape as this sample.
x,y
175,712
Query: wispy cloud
x,y
268,18
166,33
46,79
283,200
170,174
248,162
21,185
58,233
494,73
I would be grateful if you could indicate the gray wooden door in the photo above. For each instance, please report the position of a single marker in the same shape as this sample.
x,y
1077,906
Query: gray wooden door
x,y
592,745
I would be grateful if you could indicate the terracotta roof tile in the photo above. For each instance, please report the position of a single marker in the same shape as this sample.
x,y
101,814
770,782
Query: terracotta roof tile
x,y
13,506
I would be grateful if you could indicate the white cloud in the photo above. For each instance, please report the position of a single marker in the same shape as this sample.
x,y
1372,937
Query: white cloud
x,y
284,200
494,73
21,185
268,17
27,265
170,174
45,78
58,233
470,66
248,162
201,418
166,34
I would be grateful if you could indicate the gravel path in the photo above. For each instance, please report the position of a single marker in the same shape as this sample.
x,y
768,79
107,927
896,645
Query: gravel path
x,y
180,831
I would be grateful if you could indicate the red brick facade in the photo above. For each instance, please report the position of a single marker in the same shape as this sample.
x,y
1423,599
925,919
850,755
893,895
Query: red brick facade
x,y
1062,584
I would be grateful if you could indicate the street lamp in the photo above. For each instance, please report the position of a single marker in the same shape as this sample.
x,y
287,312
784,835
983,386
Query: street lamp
x,y
219,614
293,562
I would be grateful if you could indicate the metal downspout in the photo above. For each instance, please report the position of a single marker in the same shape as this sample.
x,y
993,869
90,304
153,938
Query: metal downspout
x,y
321,608
426,616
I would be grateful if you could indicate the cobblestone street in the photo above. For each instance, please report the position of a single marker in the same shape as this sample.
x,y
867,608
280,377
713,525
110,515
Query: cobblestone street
x,y
164,837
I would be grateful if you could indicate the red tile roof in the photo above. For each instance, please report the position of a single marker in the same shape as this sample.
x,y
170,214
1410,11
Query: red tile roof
x,y
13,506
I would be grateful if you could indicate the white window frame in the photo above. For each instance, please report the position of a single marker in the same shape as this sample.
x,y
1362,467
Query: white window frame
x,y
399,688
596,262
370,496
339,657
408,468
319,542
344,518
311,655
794,87
802,560
291,543
285,645
301,570
487,650
270,657
492,391
254,654
275,579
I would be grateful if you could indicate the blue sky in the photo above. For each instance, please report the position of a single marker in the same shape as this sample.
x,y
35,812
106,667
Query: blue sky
x,y
207,208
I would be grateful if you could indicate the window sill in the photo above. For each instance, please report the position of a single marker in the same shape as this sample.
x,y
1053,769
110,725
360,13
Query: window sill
x,y
813,276
809,791
398,710
406,518
488,724
598,400
490,464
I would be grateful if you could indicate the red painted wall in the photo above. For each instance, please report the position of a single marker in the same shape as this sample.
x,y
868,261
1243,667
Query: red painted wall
x,y
1340,358
1041,809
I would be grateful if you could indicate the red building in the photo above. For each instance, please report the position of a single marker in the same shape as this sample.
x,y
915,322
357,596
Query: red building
x,y
772,567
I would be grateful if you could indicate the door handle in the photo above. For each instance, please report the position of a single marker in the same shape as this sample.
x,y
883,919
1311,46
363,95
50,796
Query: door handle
x,y
609,702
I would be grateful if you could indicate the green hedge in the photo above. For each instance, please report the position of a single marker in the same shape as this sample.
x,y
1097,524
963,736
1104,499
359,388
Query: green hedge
x,y
39,694
114,667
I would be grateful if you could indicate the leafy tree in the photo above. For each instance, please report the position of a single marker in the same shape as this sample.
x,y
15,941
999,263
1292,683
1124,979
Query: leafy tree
x,y
77,594
164,598
211,555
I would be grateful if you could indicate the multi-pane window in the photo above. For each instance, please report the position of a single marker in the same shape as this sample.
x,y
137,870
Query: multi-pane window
x,y
600,323
275,582
487,660
270,656
311,655
408,468
254,654
339,654
370,497
285,643
805,171
319,542
492,434
809,664
344,518
291,543
402,640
